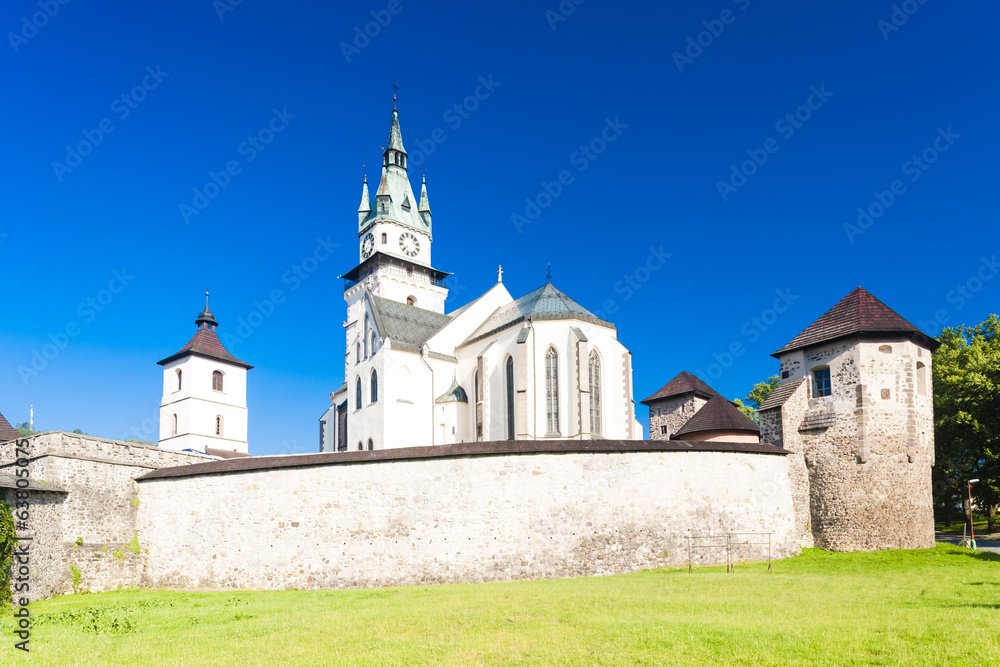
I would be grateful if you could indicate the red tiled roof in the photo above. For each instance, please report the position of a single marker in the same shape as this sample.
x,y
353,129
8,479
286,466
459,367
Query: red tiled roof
x,y
205,343
857,313
7,431
717,415
684,383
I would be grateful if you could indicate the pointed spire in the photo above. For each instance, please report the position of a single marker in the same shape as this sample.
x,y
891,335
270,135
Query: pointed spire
x,y
364,210
425,206
206,320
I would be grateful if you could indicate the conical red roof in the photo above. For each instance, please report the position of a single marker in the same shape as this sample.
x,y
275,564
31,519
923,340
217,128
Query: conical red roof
x,y
683,383
856,314
718,415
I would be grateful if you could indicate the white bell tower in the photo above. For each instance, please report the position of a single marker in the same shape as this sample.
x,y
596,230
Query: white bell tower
x,y
204,403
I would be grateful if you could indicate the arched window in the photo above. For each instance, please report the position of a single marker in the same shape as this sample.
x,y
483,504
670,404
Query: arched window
x,y
371,445
361,446
357,359
173,425
479,407
216,380
551,391
595,392
410,301
178,379
374,394
357,394
373,343
218,425
510,398
364,336
921,379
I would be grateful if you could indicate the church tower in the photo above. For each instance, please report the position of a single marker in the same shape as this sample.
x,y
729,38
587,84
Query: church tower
x,y
204,402
394,246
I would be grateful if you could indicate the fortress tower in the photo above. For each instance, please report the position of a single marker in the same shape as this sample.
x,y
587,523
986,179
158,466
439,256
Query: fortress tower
x,y
855,404
204,402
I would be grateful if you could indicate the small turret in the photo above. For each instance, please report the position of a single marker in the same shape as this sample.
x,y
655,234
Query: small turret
x,y
425,207
365,209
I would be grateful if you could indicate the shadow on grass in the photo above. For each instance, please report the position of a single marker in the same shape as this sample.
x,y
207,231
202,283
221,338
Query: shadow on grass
x,y
978,555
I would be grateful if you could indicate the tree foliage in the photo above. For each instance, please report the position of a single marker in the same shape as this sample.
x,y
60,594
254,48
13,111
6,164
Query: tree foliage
x,y
756,397
8,538
967,417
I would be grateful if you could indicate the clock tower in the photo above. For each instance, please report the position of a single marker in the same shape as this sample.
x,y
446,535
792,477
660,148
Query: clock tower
x,y
394,246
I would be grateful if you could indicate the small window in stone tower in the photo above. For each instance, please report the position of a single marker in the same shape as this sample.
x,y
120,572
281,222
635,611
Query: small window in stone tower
x,y
218,425
663,429
885,349
822,376
921,379
216,381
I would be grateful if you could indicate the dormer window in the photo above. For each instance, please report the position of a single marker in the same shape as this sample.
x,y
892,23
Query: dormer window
x,y
822,379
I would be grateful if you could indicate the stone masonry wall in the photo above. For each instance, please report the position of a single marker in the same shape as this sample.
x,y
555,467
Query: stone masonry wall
x,y
100,507
458,518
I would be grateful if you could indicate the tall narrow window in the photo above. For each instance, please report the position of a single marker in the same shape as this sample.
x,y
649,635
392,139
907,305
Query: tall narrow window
x,y
383,239
357,394
322,434
361,447
822,376
178,379
921,379
551,391
373,343
173,426
374,394
510,398
357,349
218,425
364,336
371,445
216,381
479,406
595,392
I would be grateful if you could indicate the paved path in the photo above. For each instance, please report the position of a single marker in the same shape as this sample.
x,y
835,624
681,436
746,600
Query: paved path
x,y
984,545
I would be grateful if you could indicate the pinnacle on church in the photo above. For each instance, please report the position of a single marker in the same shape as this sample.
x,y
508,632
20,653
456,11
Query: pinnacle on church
x,y
395,136
425,206
365,208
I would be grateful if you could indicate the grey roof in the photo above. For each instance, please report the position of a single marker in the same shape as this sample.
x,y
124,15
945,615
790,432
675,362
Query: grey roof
x,y
406,324
544,303
454,394
780,394
10,482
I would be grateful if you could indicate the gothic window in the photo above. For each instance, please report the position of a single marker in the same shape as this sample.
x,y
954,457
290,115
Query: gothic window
x,y
374,395
479,407
595,392
510,398
364,335
357,348
218,425
371,445
373,343
357,394
822,376
921,379
178,379
173,426
361,447
551,391
216,381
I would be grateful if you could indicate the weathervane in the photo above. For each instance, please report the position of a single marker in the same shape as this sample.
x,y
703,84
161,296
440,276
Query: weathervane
x,y
395,88
206,296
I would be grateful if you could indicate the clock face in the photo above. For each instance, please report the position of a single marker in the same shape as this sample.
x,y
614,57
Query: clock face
x,y
367,245
409,244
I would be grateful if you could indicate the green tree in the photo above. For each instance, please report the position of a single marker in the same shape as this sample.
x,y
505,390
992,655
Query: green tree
x,y
24,429
756,397
967,419
8,538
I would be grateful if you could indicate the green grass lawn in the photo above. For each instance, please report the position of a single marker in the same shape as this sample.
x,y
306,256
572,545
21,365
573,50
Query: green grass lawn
x,y
936,606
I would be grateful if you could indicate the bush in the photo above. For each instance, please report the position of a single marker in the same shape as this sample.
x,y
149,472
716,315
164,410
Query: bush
x,y
8,539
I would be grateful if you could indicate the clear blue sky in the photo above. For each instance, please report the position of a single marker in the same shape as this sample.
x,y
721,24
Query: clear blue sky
x,y
681,123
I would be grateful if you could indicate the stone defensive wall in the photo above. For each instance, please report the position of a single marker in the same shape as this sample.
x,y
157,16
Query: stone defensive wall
x,y
474,512
83,508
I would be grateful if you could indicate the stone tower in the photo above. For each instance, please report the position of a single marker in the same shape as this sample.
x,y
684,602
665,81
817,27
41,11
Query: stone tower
x,y
675,404
855,405
204,402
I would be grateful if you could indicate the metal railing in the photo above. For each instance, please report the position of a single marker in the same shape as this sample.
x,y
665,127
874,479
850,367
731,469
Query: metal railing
x,y
728,541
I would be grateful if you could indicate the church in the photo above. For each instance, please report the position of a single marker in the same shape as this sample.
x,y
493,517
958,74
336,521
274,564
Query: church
x,y
539,367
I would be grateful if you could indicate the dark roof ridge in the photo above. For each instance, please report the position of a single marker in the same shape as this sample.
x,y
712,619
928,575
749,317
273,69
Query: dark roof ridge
x,y
719,414
682,383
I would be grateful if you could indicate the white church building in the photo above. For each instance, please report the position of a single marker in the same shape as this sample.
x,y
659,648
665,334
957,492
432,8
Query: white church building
x,y
540,367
